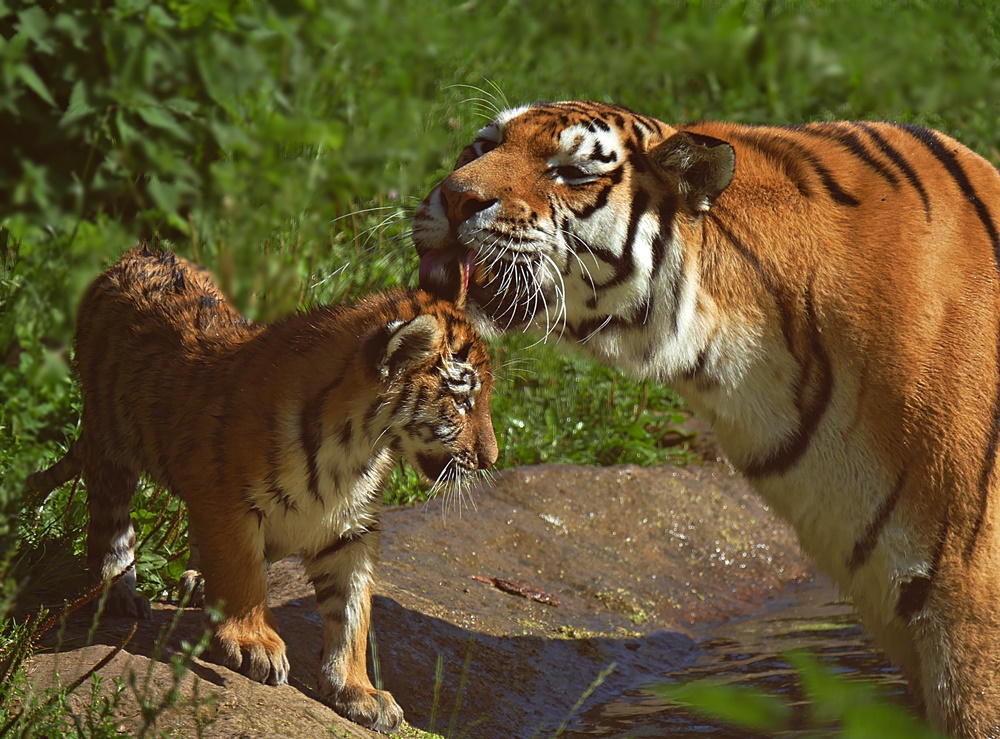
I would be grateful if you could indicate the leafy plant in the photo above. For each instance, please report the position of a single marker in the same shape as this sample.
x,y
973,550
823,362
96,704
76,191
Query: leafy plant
x,y
848,707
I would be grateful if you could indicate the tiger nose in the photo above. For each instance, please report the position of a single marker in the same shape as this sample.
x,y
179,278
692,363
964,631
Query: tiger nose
x,y
461,204
487,451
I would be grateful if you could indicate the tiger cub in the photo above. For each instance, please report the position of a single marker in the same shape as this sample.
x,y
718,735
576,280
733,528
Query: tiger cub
x,y
826,294
279,438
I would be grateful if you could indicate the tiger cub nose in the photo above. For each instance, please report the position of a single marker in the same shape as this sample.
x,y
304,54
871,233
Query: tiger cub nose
x,y
462,204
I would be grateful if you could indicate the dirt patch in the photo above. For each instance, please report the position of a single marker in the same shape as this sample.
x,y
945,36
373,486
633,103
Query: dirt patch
x,y
637,558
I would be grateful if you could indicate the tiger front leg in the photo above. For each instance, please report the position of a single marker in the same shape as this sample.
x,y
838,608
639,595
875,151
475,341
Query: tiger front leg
x,y
111,537
235,575
342,574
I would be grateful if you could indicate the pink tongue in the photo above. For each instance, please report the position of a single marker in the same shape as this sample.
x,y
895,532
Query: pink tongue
x,y
430,263
466,273
446,274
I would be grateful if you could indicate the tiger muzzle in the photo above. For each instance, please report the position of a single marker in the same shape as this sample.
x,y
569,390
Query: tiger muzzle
x,y
497,291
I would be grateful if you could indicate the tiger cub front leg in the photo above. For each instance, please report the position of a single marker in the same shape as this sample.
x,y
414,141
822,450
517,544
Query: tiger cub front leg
x,y
342,574
111,537
235,574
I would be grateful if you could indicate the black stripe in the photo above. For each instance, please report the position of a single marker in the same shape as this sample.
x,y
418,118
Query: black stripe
x,y
780,460
326,592
676,295
311,432
913,595
666,214
600,155
587,327
950,162
850,141
346,433
782,149
310,436
748,255
598,123
816,366
636,157
900,161
343,542
864,546
257,512
695,372
600,202
625,265
986,474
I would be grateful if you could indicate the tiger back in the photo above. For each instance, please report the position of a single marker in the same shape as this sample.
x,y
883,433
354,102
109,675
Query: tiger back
x,y
278,437
827,295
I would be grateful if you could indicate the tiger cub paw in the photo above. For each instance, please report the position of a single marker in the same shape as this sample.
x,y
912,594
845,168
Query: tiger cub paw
x,y
255,651
373,709
191,589
123,602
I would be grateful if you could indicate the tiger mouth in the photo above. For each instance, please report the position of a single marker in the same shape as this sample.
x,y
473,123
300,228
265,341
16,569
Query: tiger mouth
x,y
456,275
433,466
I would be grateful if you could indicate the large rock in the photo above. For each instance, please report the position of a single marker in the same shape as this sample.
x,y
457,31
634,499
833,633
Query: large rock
x,y
638,559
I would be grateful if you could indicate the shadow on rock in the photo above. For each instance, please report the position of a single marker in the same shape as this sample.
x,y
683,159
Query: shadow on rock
x,y
638,560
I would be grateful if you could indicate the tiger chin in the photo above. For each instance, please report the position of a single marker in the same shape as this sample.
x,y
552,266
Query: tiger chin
x,y
279,438
826,294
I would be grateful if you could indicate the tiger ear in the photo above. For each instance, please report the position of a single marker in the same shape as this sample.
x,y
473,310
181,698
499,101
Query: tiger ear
x,y
409,345
702,166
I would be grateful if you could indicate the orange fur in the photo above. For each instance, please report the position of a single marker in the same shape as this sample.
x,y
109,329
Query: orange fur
x,y
827,295
279,439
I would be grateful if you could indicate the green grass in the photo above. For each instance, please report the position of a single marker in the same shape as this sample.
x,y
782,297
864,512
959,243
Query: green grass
x,y
284,145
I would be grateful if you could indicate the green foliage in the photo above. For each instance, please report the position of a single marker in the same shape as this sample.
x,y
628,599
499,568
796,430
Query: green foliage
x,y
853,708
153,107
25,712
284,145
554,406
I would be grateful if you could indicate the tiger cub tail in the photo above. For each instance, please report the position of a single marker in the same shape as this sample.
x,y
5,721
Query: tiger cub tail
x,y
45,481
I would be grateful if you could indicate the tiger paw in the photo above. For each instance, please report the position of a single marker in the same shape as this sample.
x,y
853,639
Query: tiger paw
x,y
191,589
374,709
123,602
255,651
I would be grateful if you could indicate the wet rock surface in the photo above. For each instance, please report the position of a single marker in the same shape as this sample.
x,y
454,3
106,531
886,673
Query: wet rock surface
x,y
640,560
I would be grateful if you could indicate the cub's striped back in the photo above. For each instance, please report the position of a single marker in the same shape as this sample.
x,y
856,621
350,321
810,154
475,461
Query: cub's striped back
x,y
826,294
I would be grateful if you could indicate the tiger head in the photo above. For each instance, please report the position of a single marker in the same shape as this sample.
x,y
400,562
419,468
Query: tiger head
x,y
436,379
562,216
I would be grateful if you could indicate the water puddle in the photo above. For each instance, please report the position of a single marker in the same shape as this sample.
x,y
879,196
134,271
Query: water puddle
x,y
749,651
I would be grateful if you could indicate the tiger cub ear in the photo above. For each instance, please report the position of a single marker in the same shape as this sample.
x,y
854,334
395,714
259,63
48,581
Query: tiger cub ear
x,y
702,166
410,344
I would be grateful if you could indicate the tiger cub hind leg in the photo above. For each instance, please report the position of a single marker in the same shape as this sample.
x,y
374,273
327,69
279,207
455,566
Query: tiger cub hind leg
x,y
111,537
341,574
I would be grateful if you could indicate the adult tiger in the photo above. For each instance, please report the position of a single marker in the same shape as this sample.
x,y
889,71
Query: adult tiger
x,y
279,438
826,294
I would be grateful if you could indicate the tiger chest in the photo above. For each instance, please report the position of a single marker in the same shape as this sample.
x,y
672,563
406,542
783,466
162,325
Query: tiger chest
x,y
304,517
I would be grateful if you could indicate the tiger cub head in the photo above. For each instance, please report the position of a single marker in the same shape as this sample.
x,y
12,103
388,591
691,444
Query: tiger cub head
x,y
437,379
555,215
